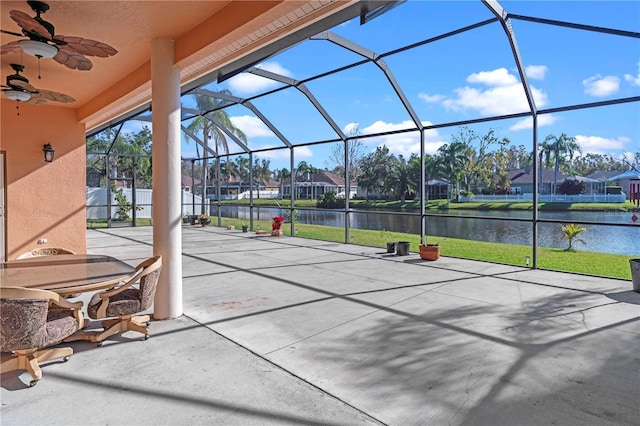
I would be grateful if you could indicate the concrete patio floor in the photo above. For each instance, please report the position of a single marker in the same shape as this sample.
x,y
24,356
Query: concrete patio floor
x,y
296,331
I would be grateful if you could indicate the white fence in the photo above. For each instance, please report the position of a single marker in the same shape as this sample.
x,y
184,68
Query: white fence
x,y
245,194
549,198
97,203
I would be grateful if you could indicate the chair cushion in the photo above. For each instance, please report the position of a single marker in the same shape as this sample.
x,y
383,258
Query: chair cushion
x,y
60,324
125,303
148,285
29,324
22,324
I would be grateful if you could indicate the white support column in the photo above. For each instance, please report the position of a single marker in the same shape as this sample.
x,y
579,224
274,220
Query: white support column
x,y
167,199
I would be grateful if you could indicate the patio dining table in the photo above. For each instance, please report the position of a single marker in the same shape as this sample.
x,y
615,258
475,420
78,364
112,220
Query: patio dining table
x,y
65,274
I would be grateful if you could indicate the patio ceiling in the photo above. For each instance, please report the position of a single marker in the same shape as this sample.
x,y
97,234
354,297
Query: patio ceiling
x,y
209,36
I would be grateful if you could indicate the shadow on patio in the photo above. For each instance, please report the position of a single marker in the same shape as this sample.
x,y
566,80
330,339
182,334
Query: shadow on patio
x,y
295,331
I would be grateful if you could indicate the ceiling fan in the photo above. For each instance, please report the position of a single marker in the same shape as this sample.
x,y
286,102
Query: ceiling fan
x,y
42,41
19,89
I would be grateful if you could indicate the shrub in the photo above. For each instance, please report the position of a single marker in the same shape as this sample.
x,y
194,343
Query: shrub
x,y
572,187
329,200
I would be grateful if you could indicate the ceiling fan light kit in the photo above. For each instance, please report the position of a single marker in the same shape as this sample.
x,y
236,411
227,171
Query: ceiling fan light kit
x,y
43,42
17,95
19,89
38,49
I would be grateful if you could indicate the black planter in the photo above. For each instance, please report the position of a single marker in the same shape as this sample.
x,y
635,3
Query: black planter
x,y
635,274
245,228
391,247
402,248
193,218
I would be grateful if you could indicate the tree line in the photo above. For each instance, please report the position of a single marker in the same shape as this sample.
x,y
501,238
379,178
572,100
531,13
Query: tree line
x,y
468,162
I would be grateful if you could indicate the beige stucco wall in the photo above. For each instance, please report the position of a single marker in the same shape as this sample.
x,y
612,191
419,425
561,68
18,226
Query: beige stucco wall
x,y
44,200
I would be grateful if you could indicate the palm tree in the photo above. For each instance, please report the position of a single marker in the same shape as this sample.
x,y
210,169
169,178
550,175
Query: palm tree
x,y
451,160
209,131
404,182
242,167
570,233
562,147
228,169
280,175
261,171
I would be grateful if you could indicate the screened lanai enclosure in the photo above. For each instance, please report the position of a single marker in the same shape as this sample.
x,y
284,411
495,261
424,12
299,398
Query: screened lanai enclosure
x,y
485,126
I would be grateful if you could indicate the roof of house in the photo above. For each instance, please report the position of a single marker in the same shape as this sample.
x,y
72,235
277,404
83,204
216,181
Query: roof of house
x,y
186,181
631,174
520,176
603,174
582,179
321,176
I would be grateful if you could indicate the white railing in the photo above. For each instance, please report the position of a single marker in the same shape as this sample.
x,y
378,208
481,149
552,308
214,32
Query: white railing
x,y
550,198
246,195
97,203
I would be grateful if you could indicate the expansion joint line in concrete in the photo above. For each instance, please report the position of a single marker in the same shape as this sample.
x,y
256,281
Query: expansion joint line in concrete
x,y
291,373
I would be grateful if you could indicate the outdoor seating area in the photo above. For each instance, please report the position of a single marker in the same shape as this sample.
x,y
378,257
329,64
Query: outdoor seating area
x,y
36,315
298,331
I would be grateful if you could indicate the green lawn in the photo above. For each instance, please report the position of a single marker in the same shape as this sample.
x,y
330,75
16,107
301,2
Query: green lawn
x,y
583,262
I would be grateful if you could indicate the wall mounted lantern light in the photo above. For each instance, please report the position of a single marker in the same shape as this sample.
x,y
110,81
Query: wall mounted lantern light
x,y
48,152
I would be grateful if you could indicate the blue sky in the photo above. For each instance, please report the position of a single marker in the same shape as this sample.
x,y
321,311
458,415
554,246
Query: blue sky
x,y
467,76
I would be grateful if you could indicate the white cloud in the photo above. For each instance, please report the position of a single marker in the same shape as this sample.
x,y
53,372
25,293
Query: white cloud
x,y
501,100
135,126
403,143
252,126
246,83
535,72
527,123
430,98
497,77
635,80
601,86
600,145
505,94
350,128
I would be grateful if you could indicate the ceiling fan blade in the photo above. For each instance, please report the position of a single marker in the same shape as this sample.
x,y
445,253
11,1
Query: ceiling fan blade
x,y
11,33
48,95
71,59
29,24
22,85
36,99
87,46
12,47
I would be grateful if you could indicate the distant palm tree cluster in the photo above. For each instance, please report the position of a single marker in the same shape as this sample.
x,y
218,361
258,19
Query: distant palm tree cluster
x,y
470,162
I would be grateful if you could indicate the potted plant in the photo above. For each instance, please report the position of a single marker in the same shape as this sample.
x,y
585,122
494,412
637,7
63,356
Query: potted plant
x,y
204,219
276,224
402,248
245,226
635,274
260,231
185,218
429,251
386,236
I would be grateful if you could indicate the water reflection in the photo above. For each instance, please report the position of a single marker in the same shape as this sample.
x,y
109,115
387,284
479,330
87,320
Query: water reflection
x,y
598,238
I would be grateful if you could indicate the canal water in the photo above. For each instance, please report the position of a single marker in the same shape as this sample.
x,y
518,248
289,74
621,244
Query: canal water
x,y
492,228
